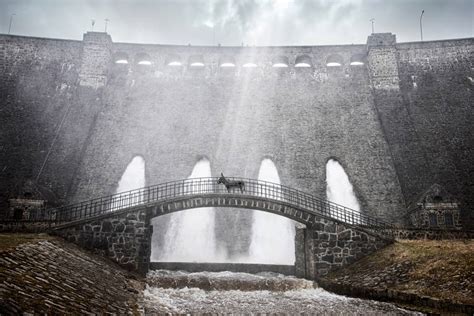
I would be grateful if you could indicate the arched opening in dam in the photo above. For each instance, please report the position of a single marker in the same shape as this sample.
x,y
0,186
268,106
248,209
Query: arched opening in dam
x,y
338,187
133,177
189,235
273,237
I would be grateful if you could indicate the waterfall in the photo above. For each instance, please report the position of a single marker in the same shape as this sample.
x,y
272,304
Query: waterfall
x,y
190,234
133,176
339,189
273,236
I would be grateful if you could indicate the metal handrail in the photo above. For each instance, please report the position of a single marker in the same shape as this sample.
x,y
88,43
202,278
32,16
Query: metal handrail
x,y
209,186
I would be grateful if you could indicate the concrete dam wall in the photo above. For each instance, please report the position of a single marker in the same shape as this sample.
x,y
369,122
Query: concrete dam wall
x,y
396,116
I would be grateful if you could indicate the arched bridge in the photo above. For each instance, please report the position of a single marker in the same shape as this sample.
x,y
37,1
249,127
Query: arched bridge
x,y
119,225
184,194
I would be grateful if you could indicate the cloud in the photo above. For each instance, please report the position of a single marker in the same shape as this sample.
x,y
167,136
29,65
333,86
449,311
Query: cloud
x,y
260,22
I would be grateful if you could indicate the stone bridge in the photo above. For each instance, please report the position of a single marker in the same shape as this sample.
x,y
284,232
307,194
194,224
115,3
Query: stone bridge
x,y
118,226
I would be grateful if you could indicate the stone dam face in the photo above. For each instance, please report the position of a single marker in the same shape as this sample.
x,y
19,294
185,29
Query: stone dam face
x,y
72,118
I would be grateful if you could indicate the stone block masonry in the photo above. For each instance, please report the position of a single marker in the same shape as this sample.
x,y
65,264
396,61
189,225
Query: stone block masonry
x,y
124,238
51,277
96,59
331,245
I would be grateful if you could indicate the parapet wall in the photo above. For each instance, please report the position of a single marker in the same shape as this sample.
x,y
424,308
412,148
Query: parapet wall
x,y
397,123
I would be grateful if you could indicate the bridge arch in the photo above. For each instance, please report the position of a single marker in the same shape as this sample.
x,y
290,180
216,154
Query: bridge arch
x,y
274,206
124,234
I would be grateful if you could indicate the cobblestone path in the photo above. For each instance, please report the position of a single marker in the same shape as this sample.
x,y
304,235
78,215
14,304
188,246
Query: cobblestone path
x,y
54,277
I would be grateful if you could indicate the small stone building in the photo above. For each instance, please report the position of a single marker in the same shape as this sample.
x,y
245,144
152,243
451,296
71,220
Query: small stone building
x,y
29,202
436,209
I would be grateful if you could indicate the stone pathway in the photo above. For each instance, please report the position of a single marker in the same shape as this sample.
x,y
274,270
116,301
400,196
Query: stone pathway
x,y
54,277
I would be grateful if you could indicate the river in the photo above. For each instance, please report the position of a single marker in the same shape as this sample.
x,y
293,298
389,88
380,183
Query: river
x,y
242,293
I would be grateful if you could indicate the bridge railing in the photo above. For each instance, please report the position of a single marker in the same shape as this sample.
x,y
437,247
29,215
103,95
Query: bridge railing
x,y
201,186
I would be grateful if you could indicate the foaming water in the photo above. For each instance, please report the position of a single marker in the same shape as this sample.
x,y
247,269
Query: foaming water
x,y
339,189
233,293
190,235
273,236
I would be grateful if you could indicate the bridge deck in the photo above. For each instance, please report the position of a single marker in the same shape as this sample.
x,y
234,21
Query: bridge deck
x,y
161,193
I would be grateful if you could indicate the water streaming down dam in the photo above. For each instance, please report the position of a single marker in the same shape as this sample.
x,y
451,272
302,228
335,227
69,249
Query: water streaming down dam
x,y
133,176
190,235
339,189
273,237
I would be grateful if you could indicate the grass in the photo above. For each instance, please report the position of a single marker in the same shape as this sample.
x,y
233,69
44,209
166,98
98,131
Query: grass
x,y
442,269
10,241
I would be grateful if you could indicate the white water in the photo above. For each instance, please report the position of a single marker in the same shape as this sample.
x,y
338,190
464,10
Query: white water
x,y
273,236
190,235
133,176
299,298
339,189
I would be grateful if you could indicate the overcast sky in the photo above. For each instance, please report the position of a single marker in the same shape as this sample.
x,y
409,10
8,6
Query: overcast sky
x,y
232,22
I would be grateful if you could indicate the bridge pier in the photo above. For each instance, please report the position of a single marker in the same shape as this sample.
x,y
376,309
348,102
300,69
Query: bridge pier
x,y
124,237
329,245
323,242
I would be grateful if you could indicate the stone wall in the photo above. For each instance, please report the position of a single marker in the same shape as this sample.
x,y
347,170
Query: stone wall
x,y
96,59
321,245
330,245
15,226
124,237
432,234
436,215
432,305
218,267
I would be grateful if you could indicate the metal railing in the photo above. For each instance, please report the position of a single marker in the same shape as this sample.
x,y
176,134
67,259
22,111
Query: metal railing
x,y
209,186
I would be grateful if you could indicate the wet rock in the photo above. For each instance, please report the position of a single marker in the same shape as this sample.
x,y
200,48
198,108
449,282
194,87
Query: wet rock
x,y
345,235
106,226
